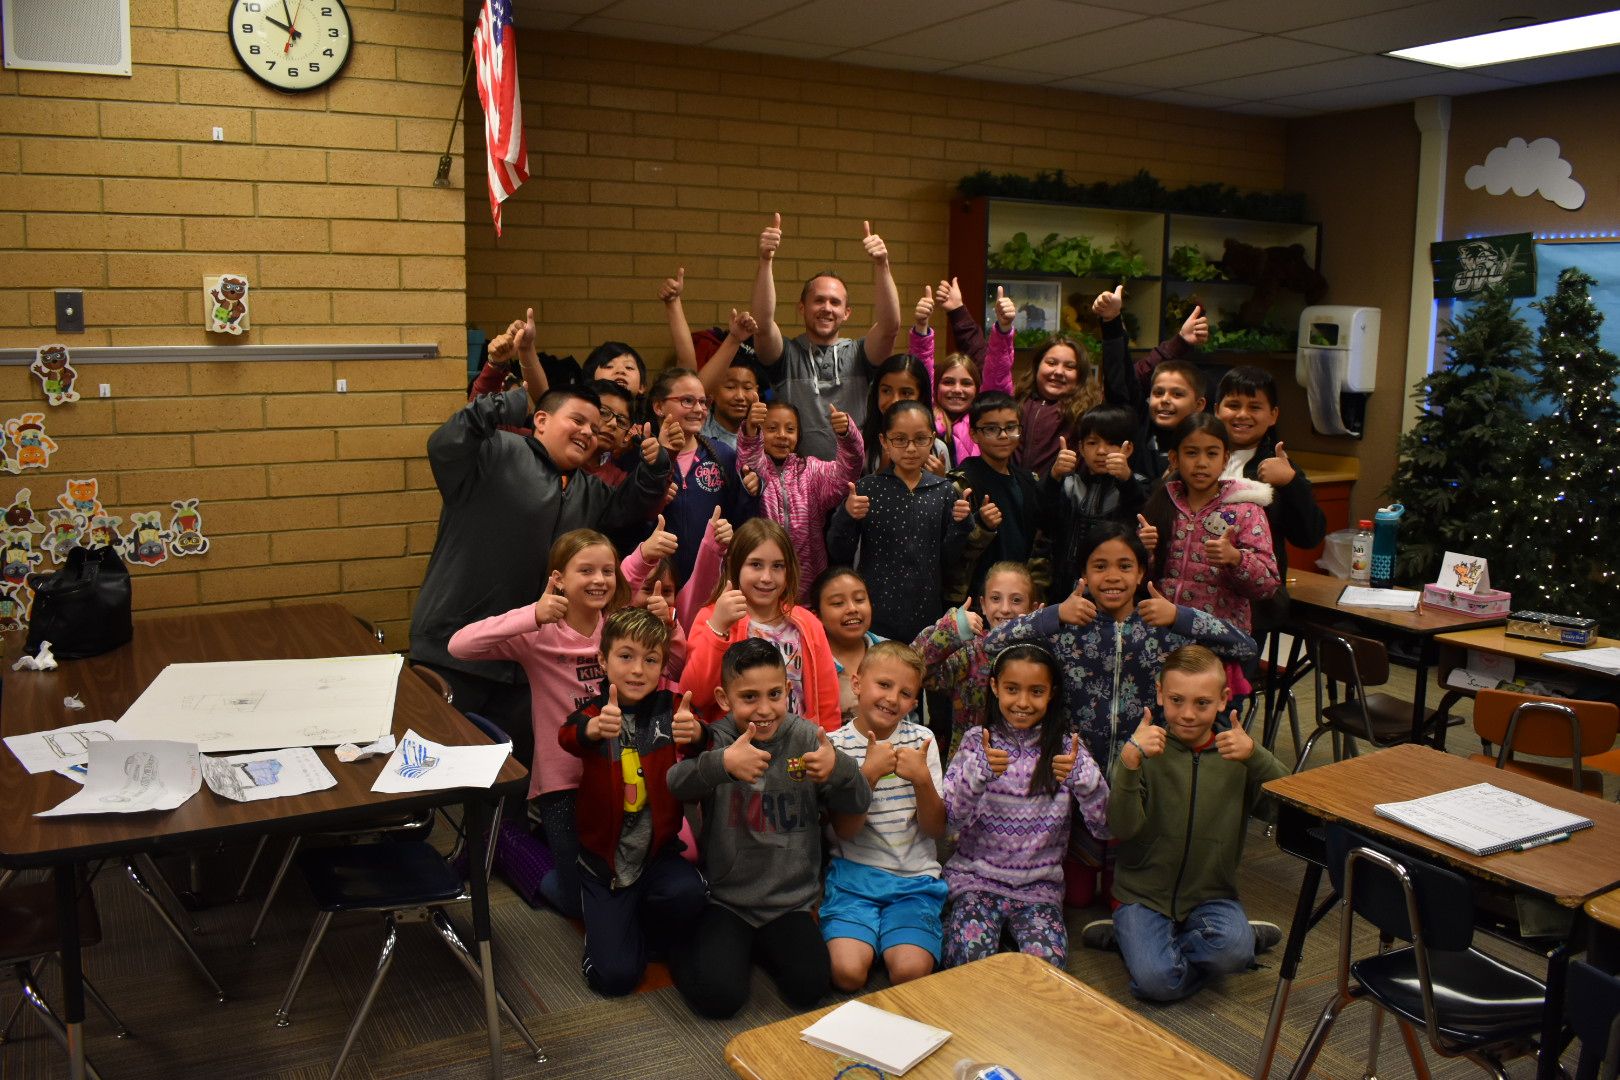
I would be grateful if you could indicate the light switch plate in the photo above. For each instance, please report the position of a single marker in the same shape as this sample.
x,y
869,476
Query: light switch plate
x,y
70,311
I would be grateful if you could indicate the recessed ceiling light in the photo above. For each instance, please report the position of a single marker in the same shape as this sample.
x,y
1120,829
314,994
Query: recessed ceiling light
x,y
1520,43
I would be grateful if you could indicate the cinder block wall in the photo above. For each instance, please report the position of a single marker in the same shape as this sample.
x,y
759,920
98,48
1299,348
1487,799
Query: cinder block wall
x,y
325,201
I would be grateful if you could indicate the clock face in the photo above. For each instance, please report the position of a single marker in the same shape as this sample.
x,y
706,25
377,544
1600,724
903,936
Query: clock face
x,y
293,45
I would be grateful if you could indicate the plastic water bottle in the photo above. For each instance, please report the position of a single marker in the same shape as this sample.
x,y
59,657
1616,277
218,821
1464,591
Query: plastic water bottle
x,y
1387,526
967,1069
1361,546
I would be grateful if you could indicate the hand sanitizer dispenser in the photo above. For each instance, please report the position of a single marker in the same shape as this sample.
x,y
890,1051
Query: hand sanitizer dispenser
x,y
1337,363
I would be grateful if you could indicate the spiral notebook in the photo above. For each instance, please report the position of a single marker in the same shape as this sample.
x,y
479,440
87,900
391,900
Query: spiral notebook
x,y
891,1042
1483,819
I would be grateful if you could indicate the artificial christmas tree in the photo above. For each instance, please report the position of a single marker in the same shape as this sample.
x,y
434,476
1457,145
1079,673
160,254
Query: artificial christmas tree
x,y
1464,467
1571,505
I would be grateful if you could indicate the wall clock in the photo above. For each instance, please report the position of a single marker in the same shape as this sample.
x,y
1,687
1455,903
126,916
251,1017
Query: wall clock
x,y
292,45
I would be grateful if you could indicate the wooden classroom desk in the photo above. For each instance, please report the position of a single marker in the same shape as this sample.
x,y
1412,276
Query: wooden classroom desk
x,y
1604,913
109,683
1012,1009
1569,874
1454,648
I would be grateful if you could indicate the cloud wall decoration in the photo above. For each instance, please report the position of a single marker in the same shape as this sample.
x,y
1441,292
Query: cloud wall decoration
x,y
1528,169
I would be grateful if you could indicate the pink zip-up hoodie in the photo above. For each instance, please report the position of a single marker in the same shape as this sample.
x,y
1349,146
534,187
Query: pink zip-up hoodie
x,y
996,375
1223,591
800,494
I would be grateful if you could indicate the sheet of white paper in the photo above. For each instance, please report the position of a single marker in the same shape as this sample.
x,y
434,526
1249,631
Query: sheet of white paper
x,y
75,773
130,777
1465,573
43,751
1481,818
268,774
1483,671
268,704
1388,599
348,752
861,1031
1607,659
424,765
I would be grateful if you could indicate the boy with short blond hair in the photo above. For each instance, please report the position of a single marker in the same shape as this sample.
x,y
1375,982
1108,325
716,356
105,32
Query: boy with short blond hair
x,y
1179,802
884,892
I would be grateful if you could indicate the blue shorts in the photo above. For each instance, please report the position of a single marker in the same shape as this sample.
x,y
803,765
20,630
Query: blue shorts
x,y
882,909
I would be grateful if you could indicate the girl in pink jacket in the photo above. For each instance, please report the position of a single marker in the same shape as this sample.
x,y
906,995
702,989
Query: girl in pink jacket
x,y
799,493
966,381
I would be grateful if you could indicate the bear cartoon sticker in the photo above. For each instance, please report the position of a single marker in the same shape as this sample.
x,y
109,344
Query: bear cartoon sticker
x,y
20,514
54,367
225,298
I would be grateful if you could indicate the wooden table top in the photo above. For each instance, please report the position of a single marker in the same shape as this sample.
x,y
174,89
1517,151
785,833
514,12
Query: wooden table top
x,y
1571,872
109,683
1012,1009
1321,591
1605,909
1495,639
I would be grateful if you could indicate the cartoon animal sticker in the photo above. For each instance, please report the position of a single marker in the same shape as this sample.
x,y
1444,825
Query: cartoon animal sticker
x,y
65,531
1467,572
54,367
147,538
80,497
33,448
20,514
103,532
20,558
226,299
13,607
185,529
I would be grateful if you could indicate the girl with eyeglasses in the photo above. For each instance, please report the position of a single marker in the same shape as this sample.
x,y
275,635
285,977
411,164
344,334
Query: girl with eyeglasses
x,y
899,378
958,379
902,527
705,474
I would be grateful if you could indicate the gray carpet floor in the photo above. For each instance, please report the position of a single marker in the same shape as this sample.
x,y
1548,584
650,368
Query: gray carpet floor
x,y
427,1021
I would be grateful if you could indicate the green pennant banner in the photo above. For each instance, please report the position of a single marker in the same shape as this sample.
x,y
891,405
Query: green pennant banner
x,y
1464,267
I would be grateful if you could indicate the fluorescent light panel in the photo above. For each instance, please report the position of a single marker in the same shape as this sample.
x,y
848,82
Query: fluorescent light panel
x,y
1520,43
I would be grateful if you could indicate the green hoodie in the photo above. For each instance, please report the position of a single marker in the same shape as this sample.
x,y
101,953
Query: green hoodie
x,y
1180,821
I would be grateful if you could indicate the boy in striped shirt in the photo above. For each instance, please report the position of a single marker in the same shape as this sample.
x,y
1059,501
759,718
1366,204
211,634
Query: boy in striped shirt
x,y
884,892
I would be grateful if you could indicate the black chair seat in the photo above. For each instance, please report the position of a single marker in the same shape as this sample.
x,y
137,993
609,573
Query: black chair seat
x,y
1391,718
379,877
1477,1000
28,925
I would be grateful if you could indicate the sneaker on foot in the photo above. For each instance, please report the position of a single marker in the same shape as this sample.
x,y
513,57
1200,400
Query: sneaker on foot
x,y
1266,935
1098,934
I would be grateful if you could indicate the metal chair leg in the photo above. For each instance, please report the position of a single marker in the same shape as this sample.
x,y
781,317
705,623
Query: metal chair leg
x,y
165,892
53,1025
1414,1050
275,886
1319,1034
253,864
384,962
1375,1030
22,1002
447,934
145,891
1305,752
120,1029
6,876
323,919
1293,720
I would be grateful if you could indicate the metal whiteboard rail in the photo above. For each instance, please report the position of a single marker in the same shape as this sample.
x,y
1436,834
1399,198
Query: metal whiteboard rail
x,y
193,354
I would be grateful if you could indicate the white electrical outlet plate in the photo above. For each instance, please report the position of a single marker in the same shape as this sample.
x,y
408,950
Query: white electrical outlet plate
x,y
219,134
105,389
343,386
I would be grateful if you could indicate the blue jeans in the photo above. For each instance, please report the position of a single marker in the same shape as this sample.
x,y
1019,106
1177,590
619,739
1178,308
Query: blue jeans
x,y
1168,961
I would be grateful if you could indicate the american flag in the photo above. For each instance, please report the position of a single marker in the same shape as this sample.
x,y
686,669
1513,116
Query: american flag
x,y
495,50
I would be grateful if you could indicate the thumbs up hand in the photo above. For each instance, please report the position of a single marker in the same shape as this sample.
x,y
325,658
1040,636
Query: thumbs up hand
x,y
1156,610
962,507
770,240
856,505
1277,470
1066,461
1063,764
685,728
839,420
742,325
924,310
990,514
1077,609
552,605
671,435
975,621
875,248
1006,310
731,607
755,420
1118,462
609,722
1147,533
1149,736
1195,331
721,528
670,291
743,760
660,607
1234,744
948,294
911,764
820,762
1222,551
661,544
750,481
880,759
995,757
1109,304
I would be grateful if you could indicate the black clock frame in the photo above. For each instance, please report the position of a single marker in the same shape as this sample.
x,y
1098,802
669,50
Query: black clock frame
x,y
247,63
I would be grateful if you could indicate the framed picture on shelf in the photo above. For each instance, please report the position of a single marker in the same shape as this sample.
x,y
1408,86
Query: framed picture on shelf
x,y
1039,303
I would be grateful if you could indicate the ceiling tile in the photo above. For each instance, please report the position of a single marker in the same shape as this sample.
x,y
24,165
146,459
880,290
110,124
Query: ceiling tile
x,y
1092,85
856,24
876,58
1148,39
1004,29
1275,16
1148,7
806,50
1579,65
1251,56
1191,99
1357,97
1436,20
544,20
532,8
1270,108
641,31
1350,71
716,15
996,73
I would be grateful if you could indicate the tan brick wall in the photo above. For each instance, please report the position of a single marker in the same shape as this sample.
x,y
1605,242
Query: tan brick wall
x,y
645,157
325,201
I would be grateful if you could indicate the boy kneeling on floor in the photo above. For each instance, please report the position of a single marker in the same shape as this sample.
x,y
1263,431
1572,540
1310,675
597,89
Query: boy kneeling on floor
x,y
1180,812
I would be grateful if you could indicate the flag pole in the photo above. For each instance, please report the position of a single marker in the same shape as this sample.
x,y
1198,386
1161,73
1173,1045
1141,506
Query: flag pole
x,y
443,177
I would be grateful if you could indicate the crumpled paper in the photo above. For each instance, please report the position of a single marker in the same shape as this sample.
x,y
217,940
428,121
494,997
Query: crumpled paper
x,y
43,662
72,701
348,751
